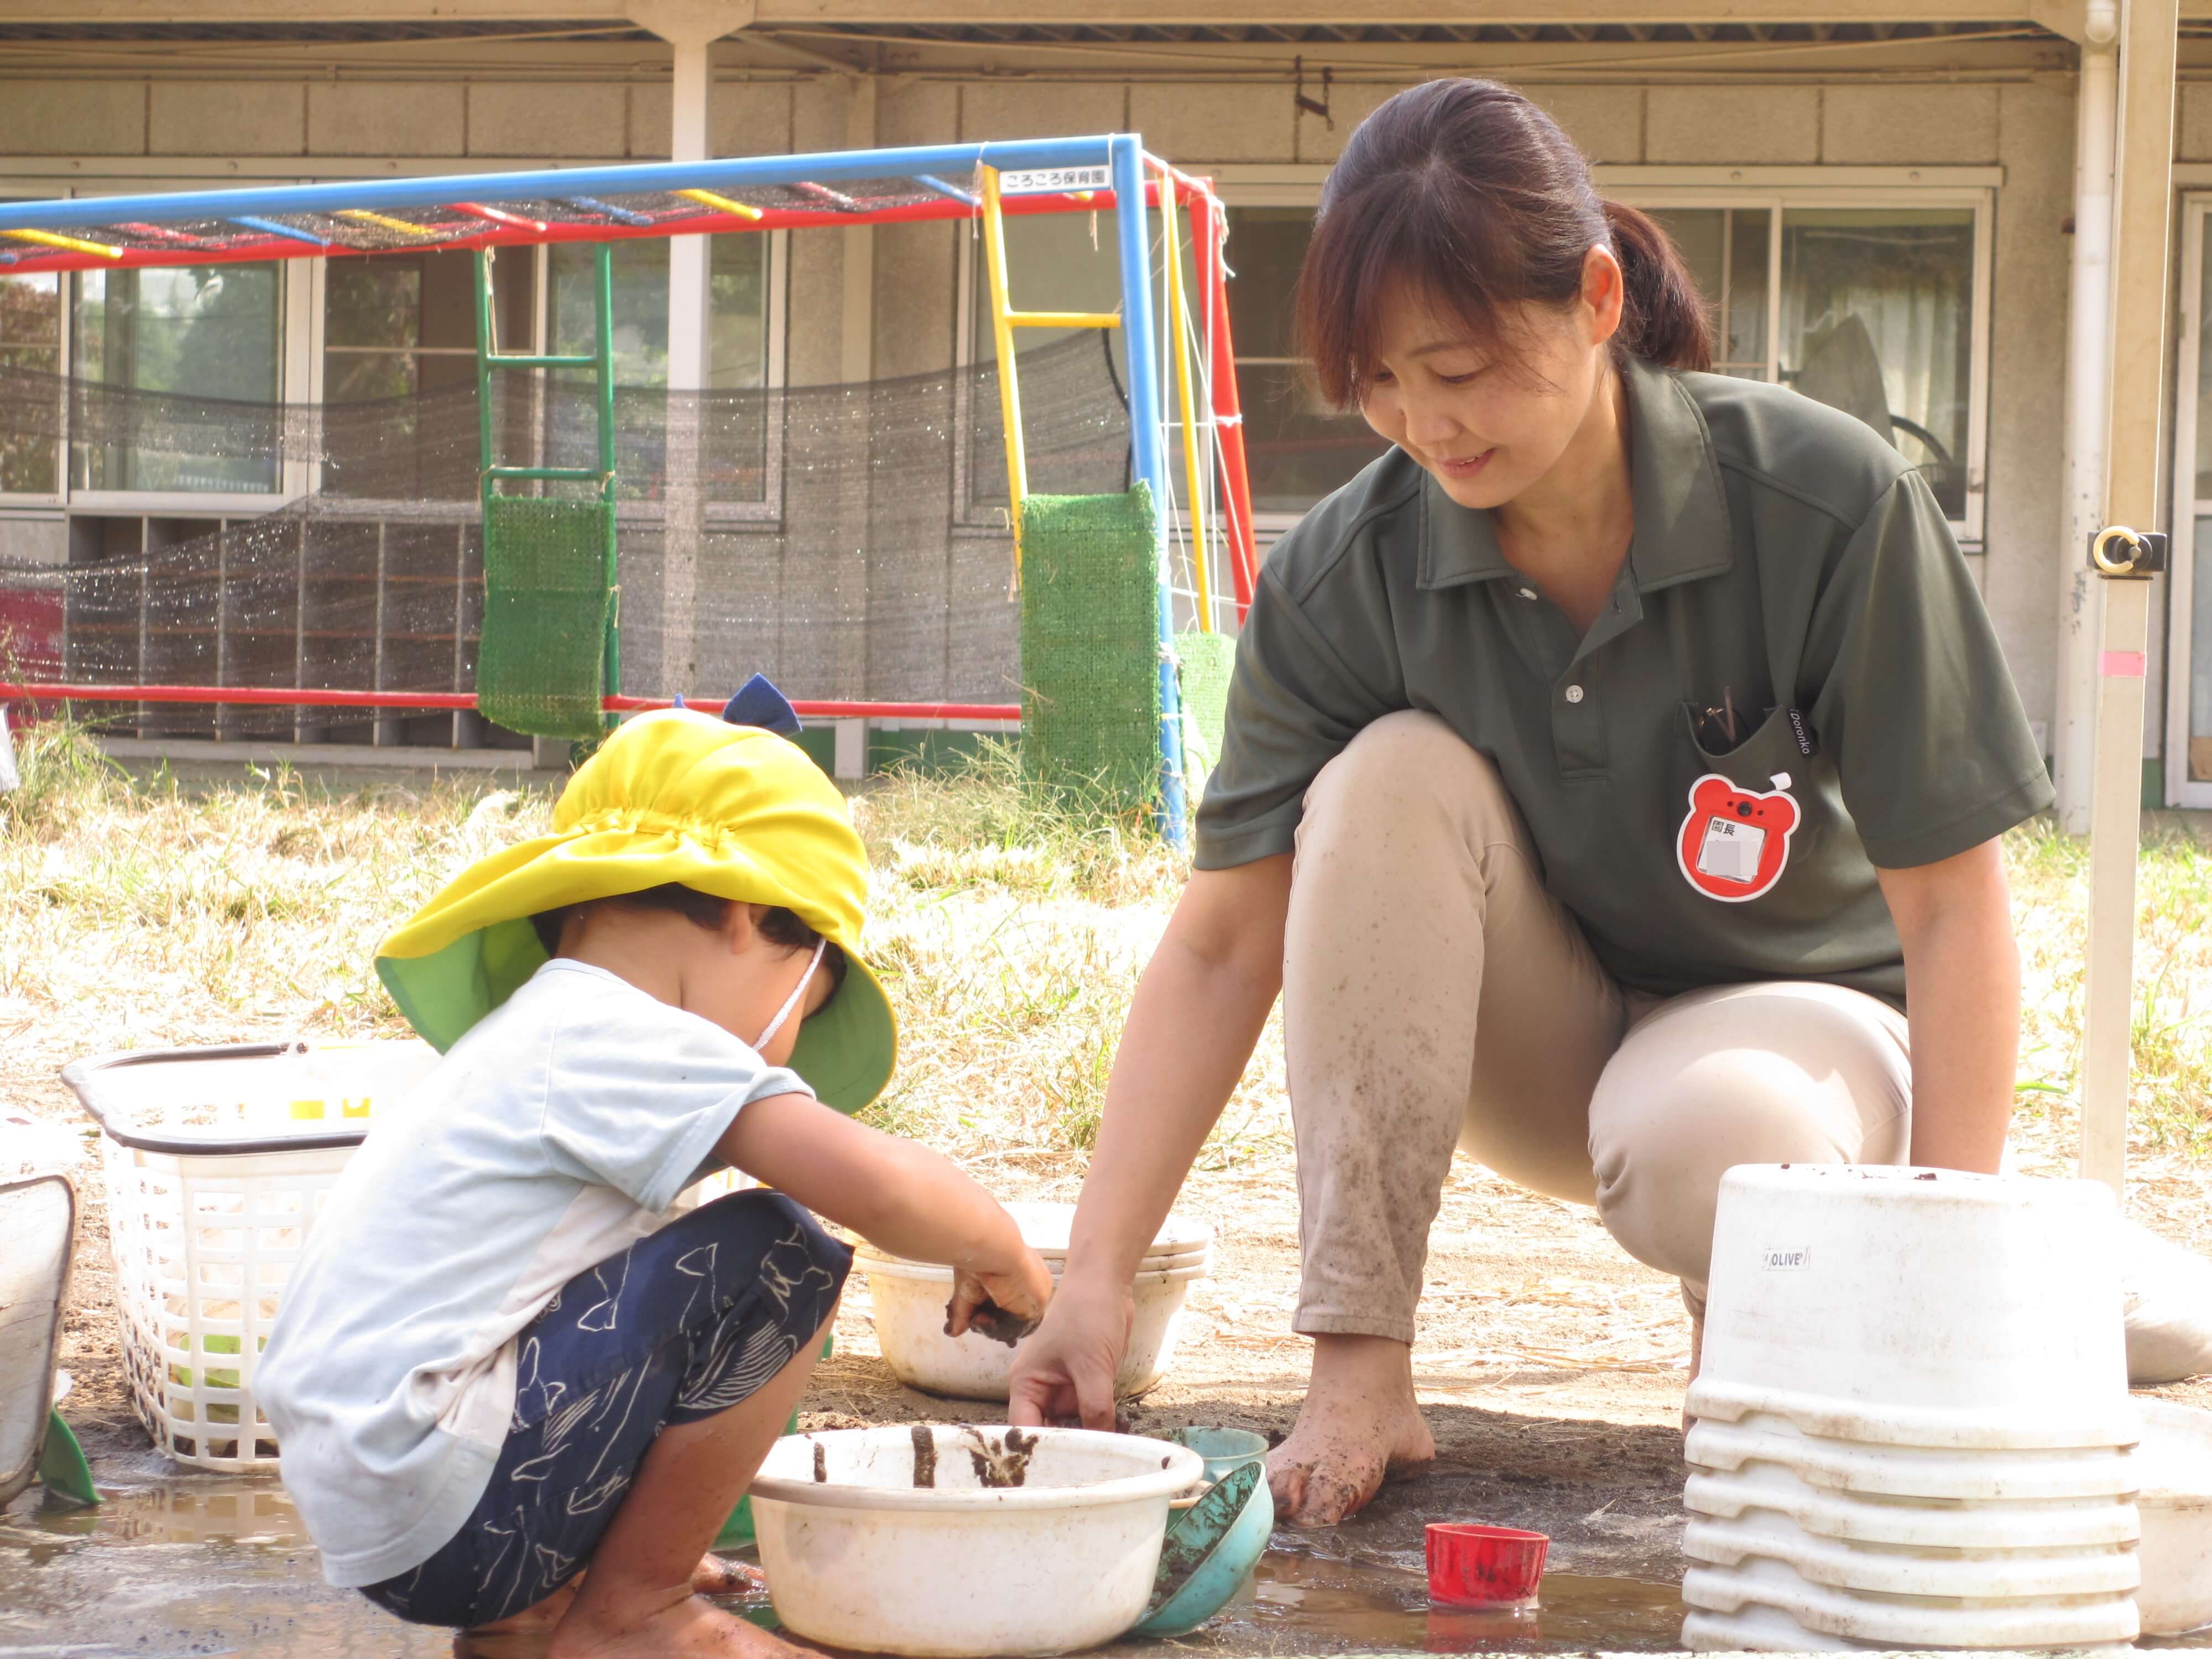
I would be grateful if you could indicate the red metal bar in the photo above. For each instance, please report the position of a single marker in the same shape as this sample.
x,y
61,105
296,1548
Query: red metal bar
x,y
1228,411
284,697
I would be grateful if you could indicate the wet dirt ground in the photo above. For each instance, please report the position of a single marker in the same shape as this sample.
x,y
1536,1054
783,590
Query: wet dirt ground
x,y
220,1565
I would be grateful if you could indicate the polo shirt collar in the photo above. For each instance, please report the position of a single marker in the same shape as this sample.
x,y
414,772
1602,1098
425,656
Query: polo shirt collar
x,y
1681,512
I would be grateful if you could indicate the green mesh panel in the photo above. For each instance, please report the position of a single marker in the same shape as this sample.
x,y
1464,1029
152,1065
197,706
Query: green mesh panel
x,y
1090,643
541,667
1206,661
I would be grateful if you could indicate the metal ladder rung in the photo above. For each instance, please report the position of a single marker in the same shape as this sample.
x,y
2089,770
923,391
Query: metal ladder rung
x,y
1065,319
550,474
510,360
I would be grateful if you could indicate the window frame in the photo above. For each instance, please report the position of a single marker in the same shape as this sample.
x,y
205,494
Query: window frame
x,y
58,496
1775,188
300,373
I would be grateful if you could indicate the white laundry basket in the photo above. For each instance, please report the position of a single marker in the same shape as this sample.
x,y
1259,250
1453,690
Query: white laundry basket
x,y
217,1161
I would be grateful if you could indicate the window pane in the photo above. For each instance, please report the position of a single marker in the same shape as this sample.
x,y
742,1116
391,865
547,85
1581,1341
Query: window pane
x,y
372,302
736,311
30,340
1877,320
201,332
1055,262
1725,249
641,305
1297,448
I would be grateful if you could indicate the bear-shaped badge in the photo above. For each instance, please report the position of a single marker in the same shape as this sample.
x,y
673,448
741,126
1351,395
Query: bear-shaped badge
x,y
1734,841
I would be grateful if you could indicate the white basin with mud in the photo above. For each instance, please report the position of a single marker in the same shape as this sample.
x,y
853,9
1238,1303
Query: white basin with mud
x,y
955,1543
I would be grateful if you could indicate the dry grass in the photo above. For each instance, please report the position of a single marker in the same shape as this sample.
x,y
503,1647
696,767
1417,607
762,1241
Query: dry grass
x,y
1011,928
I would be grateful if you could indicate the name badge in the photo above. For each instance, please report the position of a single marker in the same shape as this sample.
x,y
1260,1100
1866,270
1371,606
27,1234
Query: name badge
x,y
1734,843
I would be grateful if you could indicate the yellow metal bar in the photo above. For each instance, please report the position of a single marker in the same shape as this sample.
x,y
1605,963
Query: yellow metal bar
x,y
74,245
1002,331
721,203
364,216
1194,515
1065,319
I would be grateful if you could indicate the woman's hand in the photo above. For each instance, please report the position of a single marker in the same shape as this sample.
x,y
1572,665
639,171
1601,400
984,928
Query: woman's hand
x,y
1003,1304
1067,1369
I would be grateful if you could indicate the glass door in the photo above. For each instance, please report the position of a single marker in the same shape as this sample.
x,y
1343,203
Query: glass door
x,y
2189,639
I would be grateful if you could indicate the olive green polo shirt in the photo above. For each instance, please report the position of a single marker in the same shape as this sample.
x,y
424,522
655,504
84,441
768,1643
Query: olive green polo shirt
x,y
1784,557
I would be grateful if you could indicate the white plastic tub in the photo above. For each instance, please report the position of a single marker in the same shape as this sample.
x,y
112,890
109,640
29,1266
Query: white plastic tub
x,y
1979,1575
217,1161
2177,1519
1915,1472
1916,1307
909,1299
2056,1621
1766,1490
860,1556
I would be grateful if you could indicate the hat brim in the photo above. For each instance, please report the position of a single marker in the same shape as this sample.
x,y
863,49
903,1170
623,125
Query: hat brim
x,y
846,1052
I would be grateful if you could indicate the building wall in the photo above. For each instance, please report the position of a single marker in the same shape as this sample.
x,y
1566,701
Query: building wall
x,y
2022,121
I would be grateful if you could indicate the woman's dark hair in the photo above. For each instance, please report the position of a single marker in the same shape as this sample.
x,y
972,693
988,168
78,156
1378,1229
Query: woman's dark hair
x,y
1466,194
777,925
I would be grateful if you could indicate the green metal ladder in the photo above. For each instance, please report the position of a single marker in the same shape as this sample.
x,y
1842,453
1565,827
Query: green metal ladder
x,y
600,360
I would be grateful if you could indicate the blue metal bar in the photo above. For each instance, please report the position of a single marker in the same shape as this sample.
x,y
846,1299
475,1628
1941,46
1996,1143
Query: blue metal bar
x,y
966,197
620,215
271,228
733,173
1132,235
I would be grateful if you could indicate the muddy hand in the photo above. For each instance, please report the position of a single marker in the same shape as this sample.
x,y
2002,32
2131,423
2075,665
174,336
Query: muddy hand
x,y
1003,1306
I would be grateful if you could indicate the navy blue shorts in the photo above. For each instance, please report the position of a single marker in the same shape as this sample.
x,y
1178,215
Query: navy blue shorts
x,y
682,1325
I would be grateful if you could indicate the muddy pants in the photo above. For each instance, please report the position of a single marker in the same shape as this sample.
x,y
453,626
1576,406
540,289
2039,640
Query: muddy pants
x,y
1436,996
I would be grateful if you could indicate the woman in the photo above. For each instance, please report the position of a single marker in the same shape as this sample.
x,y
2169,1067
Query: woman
x,y
1604,767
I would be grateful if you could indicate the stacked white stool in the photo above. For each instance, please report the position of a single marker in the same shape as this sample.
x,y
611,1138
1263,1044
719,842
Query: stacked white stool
x,y
1912,1428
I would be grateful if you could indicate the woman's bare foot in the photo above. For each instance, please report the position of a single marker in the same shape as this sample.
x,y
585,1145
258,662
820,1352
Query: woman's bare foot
x,y
717,1575
678,1626
1360,1425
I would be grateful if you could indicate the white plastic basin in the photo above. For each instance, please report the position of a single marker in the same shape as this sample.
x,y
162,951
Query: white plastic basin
x,y
1982,1575
2176,1518
1916,1307
858,1556
909,1299
1915,1472
1768,1489
1930,1622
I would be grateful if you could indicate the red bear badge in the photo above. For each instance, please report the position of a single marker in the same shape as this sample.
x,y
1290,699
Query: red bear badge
x,y
1736,841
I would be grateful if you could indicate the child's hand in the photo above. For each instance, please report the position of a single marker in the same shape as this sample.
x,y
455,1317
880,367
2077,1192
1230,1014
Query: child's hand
x,y
1003,1306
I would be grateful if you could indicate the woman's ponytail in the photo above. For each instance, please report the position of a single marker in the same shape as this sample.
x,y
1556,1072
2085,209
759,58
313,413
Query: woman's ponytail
x,y
1663,321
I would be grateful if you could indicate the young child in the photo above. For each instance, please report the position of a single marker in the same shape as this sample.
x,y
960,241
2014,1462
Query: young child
x,y
498,1363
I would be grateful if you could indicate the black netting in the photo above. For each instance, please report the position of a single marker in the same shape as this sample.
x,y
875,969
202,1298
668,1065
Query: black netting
x,y
849,541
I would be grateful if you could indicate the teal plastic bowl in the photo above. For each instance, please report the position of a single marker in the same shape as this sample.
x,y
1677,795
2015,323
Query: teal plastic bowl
x,y
1213,1547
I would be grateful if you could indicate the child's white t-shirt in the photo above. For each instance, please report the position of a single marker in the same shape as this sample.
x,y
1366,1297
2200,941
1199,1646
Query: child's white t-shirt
x,y
554,1135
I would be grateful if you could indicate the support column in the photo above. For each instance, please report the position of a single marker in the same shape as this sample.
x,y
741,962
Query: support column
x,y
2088,359
2142,200
857,369
690,27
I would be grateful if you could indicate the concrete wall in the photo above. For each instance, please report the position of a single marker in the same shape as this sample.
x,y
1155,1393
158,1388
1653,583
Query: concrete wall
x,y
2023,122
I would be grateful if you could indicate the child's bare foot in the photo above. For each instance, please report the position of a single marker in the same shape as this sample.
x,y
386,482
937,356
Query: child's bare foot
x,y
534,1619
681,1627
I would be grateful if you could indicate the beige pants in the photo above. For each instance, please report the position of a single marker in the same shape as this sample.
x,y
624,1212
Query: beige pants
x,y
1436,996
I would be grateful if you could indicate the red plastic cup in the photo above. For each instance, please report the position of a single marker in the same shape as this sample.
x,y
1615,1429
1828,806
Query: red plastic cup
x,y
1472,1566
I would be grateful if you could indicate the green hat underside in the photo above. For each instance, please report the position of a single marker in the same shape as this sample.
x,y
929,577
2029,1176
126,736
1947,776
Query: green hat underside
x,y
845,1052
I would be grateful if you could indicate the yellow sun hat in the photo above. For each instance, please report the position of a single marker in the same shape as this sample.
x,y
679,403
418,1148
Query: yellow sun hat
x,y
672,796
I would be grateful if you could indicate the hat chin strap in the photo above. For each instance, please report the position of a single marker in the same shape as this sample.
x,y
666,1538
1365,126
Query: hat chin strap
x,y
791,1001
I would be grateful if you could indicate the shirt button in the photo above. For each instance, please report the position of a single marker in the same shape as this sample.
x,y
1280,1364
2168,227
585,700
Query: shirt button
x,y
1528,592
1574,693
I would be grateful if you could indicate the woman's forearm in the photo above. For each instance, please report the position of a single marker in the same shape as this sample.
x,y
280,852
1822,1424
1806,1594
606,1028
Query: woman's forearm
x,y
1962,982
1196,1016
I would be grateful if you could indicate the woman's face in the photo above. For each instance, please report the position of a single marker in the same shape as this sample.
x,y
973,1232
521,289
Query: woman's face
x,y
1488,419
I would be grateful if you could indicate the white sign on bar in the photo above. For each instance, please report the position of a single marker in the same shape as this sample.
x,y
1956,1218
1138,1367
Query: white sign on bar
x,y
1055,181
